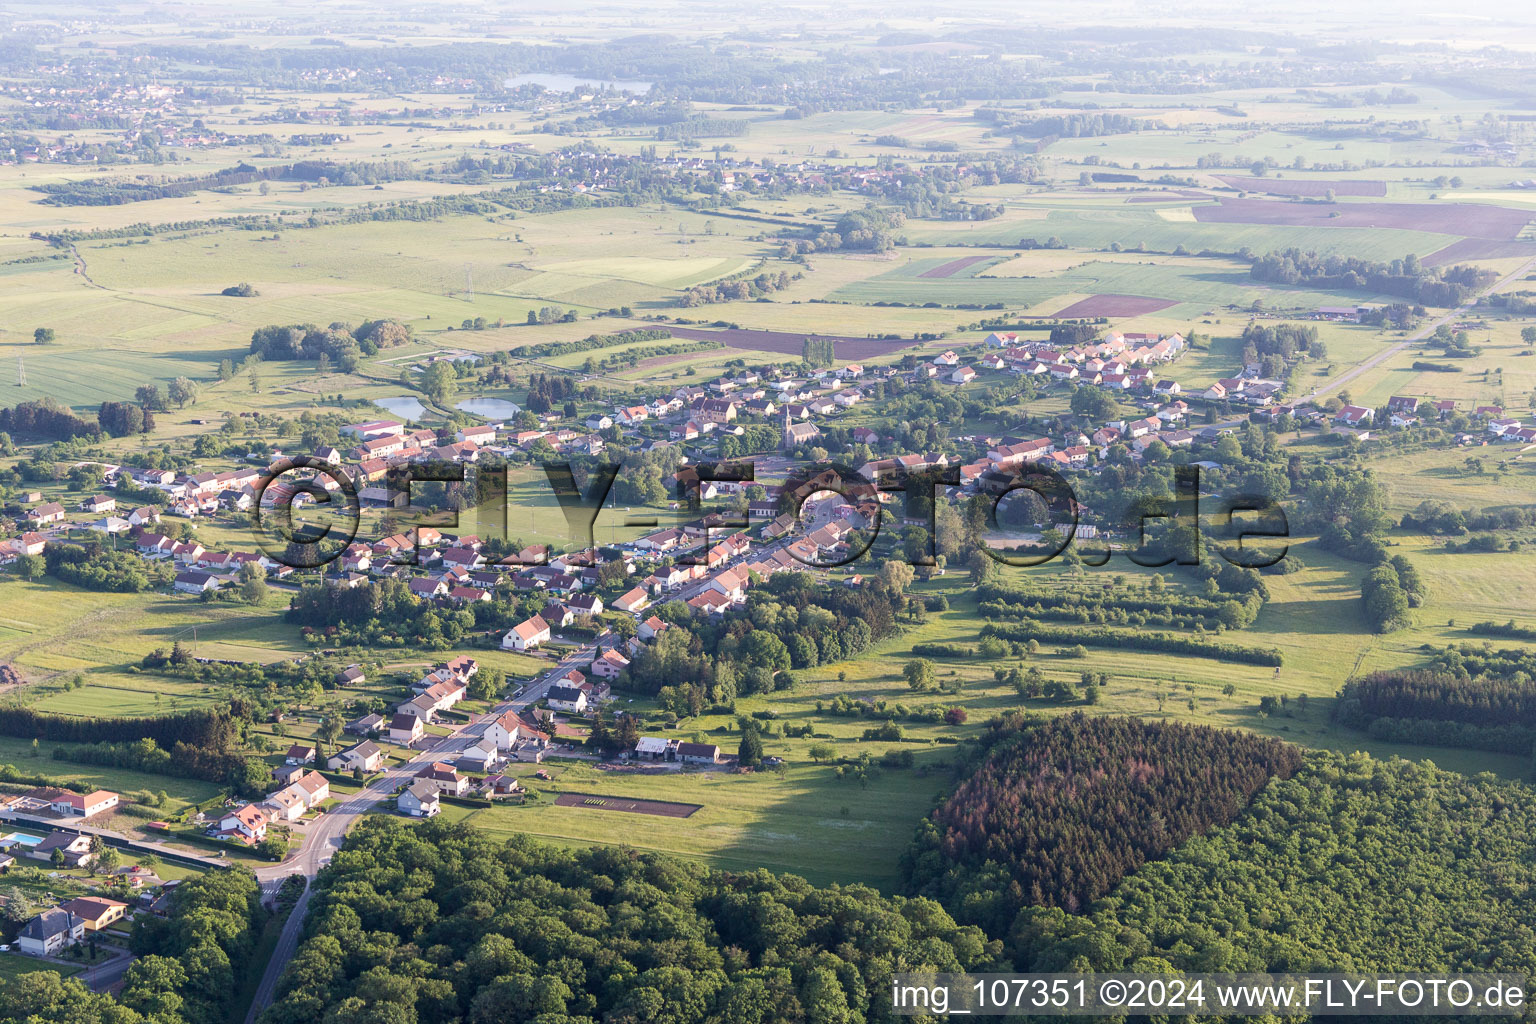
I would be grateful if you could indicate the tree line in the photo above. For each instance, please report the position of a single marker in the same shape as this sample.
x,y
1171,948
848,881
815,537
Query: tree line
x,y
1483,712
1101,636
1406,278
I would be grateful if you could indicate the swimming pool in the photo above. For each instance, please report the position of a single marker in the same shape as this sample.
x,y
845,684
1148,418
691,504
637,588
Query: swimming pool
x,y
20,839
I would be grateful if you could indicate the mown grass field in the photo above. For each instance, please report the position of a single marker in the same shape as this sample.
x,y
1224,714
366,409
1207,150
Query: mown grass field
x,y
66,629
802,821
149,309
1196,284
13,966
180,792
1098,220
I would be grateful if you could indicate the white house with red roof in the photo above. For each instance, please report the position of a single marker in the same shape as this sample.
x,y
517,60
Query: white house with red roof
x,y
83,805
526,635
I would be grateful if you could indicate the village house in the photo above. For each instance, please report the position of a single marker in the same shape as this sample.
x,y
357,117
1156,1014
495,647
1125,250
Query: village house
x,y
52,512
445,777
28,543
562,697
586,606
97,913
365,725
50,933
194,581
483,434
285,774
698,753
526,635
406,729
366,757
480,755
83,805
498,787
74,850
633,600
1354,415
609,664
512,730
421,799
374,428
293,801
246,824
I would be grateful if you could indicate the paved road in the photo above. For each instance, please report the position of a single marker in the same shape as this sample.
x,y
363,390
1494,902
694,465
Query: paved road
x,y
324,836
1422,333
101,977
1376,360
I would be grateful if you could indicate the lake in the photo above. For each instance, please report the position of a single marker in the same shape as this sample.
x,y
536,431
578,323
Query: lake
x,y
570,83
490,408
407,407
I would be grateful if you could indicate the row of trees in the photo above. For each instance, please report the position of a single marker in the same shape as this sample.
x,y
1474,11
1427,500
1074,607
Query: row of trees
x,y
1102,636
1407,277
1483,712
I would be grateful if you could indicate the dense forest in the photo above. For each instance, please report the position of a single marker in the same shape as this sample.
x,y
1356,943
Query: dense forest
x,y
1025,630
440,923
1352,864
1058,813
201,744
1420,706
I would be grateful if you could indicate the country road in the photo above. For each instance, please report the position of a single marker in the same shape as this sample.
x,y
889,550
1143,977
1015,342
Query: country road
x,y
1420,334
325,835
1391,350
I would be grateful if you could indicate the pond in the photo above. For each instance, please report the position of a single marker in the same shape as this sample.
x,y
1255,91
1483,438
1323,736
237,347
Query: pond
x,y
570,83
490,408
407,407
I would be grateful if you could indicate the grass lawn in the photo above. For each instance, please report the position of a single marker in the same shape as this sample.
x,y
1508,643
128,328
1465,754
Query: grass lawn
x,y
61,628
803,821
181,792
14,965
